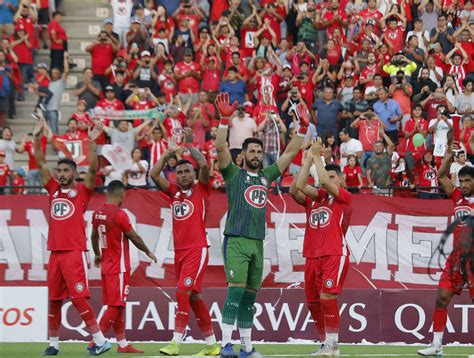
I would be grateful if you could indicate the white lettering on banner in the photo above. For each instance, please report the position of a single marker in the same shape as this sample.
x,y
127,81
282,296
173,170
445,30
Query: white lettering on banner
x,y
163,251
288,246
8,254
464,316
38,239
408,246
256,322
80,328
419,325
285,311
23,319
129,313
151,315
357,316
376,228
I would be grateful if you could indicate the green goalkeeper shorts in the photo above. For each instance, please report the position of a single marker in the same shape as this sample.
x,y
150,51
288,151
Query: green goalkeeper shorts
x,y
243,260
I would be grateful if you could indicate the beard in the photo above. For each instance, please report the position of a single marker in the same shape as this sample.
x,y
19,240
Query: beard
x,y
253,164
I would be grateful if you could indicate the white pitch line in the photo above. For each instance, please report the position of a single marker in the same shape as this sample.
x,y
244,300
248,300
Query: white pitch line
x,y
342,355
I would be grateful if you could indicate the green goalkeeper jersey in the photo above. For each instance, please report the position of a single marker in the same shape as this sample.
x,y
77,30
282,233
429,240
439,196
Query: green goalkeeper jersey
x,y
247,200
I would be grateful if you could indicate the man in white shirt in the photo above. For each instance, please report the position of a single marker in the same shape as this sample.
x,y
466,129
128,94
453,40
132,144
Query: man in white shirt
x,y
349,146
457,165
122,10
439,127
241,127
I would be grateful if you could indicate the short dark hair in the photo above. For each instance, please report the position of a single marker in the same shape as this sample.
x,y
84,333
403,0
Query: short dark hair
x,y
251,140
335,167
71,120
57,12
183,162
233,69
466,81
114,187
69,162
466,171
378,75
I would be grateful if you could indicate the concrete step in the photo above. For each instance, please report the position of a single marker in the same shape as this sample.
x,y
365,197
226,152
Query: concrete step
x,y
81,25
79,10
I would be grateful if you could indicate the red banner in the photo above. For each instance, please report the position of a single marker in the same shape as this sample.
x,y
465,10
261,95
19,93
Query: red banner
x,y
391,240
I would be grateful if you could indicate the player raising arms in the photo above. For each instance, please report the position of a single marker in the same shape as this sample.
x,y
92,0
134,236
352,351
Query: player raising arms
x,y
111,230
67,266
189,201
328,213
245,226
452,280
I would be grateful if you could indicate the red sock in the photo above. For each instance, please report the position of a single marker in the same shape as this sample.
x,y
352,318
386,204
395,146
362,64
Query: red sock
x,y
182,314
108,319
317,314
331,315
203,317
87,314
440,316
54,317
119,325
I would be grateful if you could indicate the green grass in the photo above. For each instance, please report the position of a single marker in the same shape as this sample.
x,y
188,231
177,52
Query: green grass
x,y
276,350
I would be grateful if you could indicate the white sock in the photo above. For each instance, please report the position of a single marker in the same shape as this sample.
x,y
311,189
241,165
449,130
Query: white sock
x,y
177,337
227,333
54,342
211,340
99,338
246,339
438,339
331,339
122,343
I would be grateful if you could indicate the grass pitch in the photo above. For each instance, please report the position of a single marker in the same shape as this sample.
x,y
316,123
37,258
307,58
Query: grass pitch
x,y
268,350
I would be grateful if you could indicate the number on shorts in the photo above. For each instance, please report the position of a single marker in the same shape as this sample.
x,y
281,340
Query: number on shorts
x,y
102,236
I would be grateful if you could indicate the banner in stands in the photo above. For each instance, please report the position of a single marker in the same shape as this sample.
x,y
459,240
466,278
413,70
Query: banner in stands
x,y
391,240
281,315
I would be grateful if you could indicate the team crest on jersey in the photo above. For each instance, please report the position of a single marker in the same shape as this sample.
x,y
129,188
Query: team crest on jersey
x,y
256,196
79,287
264,181
189,193
183,209
188,281
405,183
329,283
320,217
429,175
61,209
72,193
460,211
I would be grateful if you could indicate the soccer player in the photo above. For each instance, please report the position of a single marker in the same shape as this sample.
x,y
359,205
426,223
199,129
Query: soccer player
x,y
328,212
244,232
188,201
67,266
111,230
452,279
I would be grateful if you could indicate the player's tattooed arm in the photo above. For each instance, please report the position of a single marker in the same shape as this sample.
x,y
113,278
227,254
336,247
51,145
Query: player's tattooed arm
x,y
443,179
301,184
96,247
204,175
326,183
94,133
160,181
140,244
38,153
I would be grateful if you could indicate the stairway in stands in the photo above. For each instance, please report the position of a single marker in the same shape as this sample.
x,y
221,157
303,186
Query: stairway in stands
x,y
83,21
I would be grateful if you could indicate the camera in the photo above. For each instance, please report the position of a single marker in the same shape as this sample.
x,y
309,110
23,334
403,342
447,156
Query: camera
x,y
368,115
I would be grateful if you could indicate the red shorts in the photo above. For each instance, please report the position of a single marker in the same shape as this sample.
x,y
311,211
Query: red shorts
x,y
67,275
115,288
189,268
452,279
324,274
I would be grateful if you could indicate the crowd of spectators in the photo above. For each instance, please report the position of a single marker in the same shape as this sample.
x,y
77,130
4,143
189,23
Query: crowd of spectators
x,y
385,82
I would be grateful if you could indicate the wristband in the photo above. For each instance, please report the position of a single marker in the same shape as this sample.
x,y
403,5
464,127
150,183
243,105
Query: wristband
x,y
224,121
223,126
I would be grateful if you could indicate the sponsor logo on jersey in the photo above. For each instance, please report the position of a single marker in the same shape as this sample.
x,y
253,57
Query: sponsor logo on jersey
x,y
182,209
72,193
329,283
188,281
79,287
61,209
320,217
256,196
